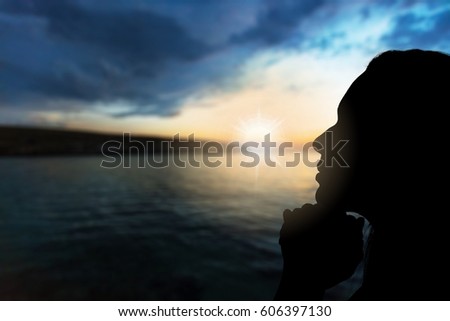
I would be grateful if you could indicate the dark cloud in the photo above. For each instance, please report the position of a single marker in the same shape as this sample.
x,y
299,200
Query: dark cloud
x,y
278,21
149,56
137,36
62,50
420,31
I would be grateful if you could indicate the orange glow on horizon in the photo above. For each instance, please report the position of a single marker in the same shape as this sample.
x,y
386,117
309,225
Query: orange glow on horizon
x,y
298,93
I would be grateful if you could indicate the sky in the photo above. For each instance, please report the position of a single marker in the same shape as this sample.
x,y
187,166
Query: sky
x,y
216,69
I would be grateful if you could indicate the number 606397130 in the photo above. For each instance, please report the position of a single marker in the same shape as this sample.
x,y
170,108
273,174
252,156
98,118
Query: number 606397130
x,y
303,310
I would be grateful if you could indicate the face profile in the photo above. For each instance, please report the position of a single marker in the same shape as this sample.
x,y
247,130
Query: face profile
x,y
389,121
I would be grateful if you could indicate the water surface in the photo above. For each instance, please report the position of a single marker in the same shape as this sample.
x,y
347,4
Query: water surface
x,y
72,230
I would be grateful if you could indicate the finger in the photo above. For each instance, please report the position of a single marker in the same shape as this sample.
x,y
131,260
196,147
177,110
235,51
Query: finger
x,y
307,206
287,215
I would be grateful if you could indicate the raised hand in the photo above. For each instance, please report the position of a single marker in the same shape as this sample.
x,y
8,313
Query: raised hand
x,y
320,248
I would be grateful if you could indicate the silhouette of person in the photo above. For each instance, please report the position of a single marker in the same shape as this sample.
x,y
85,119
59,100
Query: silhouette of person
x,y
393,128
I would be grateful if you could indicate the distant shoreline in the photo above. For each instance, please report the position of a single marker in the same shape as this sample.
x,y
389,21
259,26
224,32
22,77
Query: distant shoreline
x,y
30,141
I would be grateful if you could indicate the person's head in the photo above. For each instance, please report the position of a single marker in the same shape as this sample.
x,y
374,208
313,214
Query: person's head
x,y
393,119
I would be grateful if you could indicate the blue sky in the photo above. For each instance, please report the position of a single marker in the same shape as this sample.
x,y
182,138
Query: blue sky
x,y
163,67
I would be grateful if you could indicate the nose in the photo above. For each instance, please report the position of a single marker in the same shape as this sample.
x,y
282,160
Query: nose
x,y
319,142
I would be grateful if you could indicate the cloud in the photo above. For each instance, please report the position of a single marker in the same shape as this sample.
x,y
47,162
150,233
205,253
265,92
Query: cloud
x,y
60,50
420,30
75,55
151,57
278,22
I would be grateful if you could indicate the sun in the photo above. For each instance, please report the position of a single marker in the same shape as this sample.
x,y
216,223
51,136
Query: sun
x,y
254,129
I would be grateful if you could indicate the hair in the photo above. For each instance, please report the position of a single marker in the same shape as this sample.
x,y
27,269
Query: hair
x,y
395,59
400,102
399,112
